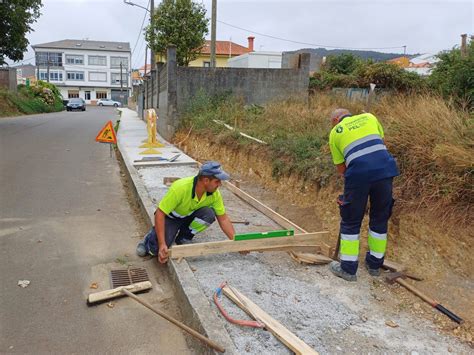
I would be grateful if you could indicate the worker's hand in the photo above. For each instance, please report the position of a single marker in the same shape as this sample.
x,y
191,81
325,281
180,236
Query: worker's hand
x,y
163,254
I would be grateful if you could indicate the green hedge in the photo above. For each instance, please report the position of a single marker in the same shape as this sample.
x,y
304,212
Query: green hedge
x,y
42,98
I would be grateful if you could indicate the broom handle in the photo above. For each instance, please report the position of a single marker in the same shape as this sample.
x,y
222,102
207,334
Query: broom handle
x,y
191,331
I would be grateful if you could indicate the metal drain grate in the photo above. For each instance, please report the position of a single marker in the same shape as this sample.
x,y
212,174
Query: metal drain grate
x,y
125,277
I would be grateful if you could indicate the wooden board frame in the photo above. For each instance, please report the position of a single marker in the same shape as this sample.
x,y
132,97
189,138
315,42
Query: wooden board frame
x,y
326,250
309,240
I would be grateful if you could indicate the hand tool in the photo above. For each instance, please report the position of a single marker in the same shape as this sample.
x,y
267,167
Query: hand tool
x,y
140,287
335,256
271,234
398,277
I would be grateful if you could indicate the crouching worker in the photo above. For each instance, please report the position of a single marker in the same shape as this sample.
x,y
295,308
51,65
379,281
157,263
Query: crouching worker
x,y
190,206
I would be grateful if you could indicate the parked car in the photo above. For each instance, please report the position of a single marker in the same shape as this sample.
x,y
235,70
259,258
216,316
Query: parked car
x,y
76,104
108,102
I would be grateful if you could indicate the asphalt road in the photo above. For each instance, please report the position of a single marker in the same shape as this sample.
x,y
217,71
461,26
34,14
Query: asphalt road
x,y
65,221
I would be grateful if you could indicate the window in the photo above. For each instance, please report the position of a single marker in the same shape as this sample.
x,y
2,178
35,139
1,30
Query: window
x,y
87,95
72,94
97,60
97,76
206,64
53,76
53,58
115,62
74,59
115,78
101,94
75,75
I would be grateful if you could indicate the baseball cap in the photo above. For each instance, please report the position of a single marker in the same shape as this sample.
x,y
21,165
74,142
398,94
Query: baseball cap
x,y
213,168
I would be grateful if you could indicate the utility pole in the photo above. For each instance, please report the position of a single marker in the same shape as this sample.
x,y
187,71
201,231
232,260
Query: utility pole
x,y
464,45
145,84
152,54
37,67
48,63
121,84
213,33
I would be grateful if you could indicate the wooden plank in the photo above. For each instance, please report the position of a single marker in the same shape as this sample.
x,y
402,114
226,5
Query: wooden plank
x,y
300,249
283,334
393,266
311,258
117,292
229,246
278,218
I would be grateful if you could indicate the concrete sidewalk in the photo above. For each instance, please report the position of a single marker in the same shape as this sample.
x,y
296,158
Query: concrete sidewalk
x,y
329,314
146,178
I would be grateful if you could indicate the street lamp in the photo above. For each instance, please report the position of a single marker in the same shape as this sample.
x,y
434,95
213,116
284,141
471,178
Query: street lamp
x,y
133,4
152,3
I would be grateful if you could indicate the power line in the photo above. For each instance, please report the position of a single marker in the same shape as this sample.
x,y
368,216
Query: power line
x,y
305,43
24,60
141,29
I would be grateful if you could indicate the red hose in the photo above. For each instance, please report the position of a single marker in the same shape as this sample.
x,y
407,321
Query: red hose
x,y
245,323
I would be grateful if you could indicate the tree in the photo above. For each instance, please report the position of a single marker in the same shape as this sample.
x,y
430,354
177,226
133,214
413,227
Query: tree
x,y
453,76
345,63
179,22
16,18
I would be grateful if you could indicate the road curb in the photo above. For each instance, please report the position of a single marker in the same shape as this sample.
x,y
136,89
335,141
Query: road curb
x,y
194,305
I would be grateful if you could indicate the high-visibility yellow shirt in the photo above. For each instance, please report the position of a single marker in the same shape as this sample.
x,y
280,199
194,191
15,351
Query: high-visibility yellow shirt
x,y
357,141
181,200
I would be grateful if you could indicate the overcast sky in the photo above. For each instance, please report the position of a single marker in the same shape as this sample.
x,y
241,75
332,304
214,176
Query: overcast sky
x,y
424,26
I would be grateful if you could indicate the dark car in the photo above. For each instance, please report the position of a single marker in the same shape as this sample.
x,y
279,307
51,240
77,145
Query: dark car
x,y
76,104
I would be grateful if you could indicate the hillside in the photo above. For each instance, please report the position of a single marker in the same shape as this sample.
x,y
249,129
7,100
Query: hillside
x,y
376,56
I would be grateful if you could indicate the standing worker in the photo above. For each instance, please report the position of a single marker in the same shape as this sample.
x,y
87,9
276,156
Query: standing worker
x,y
360,155
190,206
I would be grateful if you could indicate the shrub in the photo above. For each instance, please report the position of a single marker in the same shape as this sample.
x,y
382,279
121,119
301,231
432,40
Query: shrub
x,y
453,76
347,71
342,64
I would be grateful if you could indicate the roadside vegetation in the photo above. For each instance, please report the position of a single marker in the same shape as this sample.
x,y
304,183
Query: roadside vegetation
x,y
452,78
41,98
428,122
431,140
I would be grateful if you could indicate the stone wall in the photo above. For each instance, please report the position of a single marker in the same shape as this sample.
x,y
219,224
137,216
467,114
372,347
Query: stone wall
x,y
8,78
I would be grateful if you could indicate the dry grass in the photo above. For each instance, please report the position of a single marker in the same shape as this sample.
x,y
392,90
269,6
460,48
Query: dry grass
x,y
433,146
432,142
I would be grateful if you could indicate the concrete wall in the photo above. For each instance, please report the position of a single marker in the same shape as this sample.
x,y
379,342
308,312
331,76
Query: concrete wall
x,y
255,86
176,86
8,78
290,60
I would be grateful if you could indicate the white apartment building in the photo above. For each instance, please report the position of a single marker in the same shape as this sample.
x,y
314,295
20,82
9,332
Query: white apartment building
x,y
90,70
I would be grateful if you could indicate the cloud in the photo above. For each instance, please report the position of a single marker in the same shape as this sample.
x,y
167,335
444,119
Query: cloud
x,y
423,25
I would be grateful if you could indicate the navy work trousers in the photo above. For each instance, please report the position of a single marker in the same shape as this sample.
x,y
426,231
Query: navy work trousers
x,y
178,229
353,210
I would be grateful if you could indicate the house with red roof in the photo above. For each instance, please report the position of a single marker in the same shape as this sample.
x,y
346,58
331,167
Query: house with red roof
x,y
224,51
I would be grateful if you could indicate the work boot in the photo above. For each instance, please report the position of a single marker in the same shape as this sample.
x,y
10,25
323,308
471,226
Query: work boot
x,y
336,269
141,249
372,272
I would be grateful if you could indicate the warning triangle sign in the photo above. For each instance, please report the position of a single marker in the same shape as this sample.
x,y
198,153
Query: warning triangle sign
x,y
107,134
